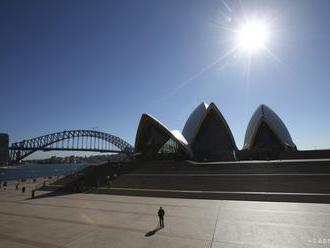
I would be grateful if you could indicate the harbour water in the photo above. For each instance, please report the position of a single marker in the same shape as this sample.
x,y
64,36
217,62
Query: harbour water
x,y
27,171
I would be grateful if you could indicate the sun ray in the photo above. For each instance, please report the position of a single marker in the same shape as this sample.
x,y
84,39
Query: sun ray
x,y
184,83
272,55
249,39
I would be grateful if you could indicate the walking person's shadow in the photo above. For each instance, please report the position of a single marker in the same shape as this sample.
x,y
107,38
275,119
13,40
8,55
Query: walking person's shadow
x,y
153,232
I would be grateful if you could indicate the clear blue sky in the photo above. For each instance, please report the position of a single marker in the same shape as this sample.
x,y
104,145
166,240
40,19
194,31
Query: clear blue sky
x,y
86,64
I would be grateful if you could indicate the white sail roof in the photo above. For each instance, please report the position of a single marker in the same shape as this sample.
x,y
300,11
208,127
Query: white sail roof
x,y
265,114
194,120
218,114
178,135
175,134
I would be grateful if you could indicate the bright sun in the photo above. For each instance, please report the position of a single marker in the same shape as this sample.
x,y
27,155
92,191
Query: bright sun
x,y
253,36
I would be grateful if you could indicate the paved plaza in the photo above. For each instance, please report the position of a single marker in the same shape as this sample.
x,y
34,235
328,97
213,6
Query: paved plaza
x,y
96,220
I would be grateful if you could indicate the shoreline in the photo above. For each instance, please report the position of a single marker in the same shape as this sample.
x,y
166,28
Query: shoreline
x,y
32,171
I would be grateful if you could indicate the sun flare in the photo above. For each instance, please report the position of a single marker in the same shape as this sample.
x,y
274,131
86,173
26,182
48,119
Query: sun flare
x,y
253,36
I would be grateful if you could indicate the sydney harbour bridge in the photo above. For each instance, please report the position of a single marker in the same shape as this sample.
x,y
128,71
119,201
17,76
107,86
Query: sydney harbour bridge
x,y
69,140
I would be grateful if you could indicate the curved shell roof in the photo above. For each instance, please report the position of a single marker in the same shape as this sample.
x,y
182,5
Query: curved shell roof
x,y
194,120
178,135
265,114
213,107
175,134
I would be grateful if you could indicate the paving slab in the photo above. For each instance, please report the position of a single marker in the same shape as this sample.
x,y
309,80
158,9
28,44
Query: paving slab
x,y
96,220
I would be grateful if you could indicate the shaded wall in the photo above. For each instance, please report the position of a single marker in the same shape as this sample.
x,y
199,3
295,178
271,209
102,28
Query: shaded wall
x,y
4,152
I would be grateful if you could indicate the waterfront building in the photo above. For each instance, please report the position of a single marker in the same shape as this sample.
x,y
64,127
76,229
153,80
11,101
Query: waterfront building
x,y
206,136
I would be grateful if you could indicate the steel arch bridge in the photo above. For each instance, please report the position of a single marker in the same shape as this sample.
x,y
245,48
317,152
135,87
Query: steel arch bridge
x,y
72,140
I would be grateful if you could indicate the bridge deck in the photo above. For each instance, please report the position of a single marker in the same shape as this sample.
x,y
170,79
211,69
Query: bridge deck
x,y
66,149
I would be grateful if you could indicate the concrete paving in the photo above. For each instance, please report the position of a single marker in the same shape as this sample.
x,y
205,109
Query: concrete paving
x,y
96,220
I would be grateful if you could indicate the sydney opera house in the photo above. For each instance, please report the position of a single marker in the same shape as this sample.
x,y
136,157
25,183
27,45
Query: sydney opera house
x,y
206,136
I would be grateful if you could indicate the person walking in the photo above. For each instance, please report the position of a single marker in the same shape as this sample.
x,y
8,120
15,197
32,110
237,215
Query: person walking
x,y
33,193
161,214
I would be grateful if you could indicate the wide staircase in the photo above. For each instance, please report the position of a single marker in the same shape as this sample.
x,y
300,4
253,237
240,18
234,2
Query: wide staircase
x,y
85,180
289,181
262,180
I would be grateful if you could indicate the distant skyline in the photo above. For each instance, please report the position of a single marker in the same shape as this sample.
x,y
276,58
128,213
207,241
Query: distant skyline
x,y
101,64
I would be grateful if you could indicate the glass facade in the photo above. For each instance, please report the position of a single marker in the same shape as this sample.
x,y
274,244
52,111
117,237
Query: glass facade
x,y
171,146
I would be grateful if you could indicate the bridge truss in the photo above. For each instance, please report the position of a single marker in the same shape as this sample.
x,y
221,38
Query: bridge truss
x,y
72,140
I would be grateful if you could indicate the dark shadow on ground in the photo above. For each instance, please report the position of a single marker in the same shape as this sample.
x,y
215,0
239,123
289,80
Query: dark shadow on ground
x,y
49,194
275,197
262,196
153,232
